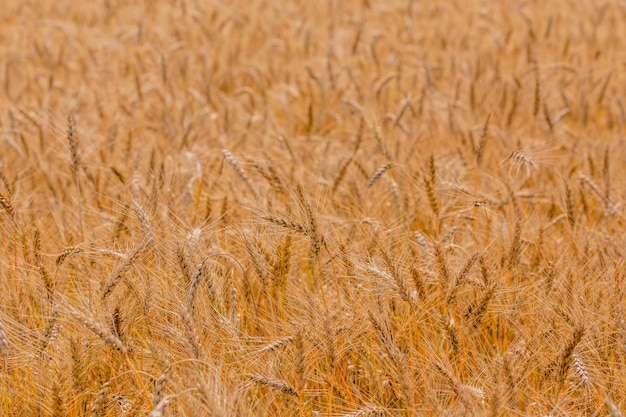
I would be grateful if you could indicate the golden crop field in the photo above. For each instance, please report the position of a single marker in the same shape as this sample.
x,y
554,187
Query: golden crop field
x,y
312,208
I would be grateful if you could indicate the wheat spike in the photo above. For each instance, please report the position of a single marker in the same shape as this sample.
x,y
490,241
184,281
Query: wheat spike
x,y
429,183
581,370
480,150
228,156
379,173
109,338
275,384
159,409
159,387
66,254
277,344
369,411
4,342
100,401
123,268
7,206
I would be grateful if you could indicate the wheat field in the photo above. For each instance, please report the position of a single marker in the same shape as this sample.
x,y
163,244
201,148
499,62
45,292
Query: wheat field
x,y
323,208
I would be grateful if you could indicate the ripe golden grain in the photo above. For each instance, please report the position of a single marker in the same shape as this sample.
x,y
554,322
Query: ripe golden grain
x,y
205,180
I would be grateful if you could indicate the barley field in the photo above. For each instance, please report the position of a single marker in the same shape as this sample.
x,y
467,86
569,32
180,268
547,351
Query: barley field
x,y
312,208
